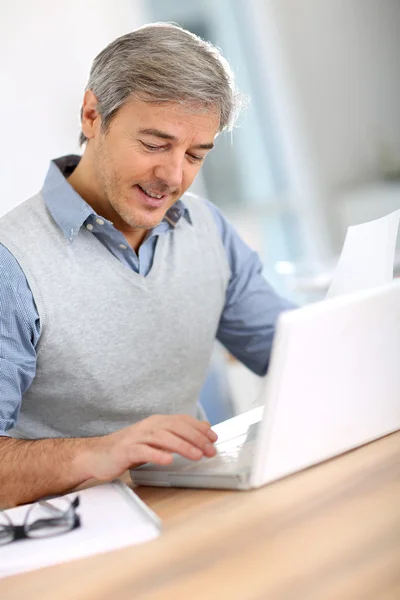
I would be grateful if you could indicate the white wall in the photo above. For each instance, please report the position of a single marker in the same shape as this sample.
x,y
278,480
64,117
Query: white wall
x,y
345,61
340,89
46,50
336,67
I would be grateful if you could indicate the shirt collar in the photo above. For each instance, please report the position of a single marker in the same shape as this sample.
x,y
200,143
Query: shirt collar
x,y
68,208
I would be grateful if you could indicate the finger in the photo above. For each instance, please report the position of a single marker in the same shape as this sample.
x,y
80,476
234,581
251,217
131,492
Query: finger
x,y
210,433
191,434
170,442
199,441
203,426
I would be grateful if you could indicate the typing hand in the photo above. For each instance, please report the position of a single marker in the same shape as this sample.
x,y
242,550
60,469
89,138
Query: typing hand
x,y
152,440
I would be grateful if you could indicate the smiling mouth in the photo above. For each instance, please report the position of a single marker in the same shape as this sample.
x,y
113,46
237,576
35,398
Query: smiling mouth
x,y
151,194
149,199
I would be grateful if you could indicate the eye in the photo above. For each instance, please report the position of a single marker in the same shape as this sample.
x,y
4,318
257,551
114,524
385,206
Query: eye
x,y
150,147
196,158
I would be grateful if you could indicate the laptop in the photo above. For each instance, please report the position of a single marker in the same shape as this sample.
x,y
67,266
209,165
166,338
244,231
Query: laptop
x,y
333,384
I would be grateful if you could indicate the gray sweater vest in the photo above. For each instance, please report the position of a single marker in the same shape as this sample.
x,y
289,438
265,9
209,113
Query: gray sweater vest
x,y
116,347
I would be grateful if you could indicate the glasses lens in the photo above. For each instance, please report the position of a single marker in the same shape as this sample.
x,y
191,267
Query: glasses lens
x,y
6,529
49,517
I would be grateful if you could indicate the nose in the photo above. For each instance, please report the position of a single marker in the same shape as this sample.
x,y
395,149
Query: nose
x,y
170,170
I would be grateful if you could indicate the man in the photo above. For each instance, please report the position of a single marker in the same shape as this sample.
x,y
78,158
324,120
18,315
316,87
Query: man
x,y
114,284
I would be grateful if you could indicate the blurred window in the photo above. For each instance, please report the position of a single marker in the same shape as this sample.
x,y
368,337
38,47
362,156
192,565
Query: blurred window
x,y
244,175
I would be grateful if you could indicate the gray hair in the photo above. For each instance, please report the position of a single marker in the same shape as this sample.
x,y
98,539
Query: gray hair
x,y
160,63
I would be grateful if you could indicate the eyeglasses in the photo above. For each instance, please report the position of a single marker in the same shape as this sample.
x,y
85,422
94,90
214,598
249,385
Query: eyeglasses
x,y
44,519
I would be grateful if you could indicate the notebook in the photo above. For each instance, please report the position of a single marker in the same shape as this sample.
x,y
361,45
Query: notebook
x,y
112,516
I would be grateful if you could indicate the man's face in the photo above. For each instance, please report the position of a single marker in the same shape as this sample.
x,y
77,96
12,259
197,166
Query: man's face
x,y
147,158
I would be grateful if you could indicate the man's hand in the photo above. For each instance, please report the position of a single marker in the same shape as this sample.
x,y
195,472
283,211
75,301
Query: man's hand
x,y
152,440
32,469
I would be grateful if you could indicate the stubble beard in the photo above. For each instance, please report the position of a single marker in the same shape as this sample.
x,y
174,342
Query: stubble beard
x,y
115,193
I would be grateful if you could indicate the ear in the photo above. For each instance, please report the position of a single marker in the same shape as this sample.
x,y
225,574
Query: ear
x,y
90,118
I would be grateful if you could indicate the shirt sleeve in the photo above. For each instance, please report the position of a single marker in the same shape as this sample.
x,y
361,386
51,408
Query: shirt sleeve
x,y
19,334
252,306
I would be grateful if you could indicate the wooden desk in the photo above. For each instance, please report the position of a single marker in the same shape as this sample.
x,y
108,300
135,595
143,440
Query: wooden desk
x,y
330,532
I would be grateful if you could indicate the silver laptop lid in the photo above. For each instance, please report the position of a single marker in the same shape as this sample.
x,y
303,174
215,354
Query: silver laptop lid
x,y
333,382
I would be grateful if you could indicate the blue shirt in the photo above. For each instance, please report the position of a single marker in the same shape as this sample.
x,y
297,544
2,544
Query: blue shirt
x,y
247,322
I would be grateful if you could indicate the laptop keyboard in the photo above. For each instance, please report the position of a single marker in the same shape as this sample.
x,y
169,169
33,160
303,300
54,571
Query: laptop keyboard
x,y
232,456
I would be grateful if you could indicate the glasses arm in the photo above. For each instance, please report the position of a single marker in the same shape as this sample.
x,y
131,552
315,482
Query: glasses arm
x,y
51,508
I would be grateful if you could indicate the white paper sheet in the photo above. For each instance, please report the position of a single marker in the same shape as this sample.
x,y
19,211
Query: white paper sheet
x,y
112,516
367,257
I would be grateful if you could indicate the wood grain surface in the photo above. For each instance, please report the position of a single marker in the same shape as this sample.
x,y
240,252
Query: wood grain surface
x,y
331,532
